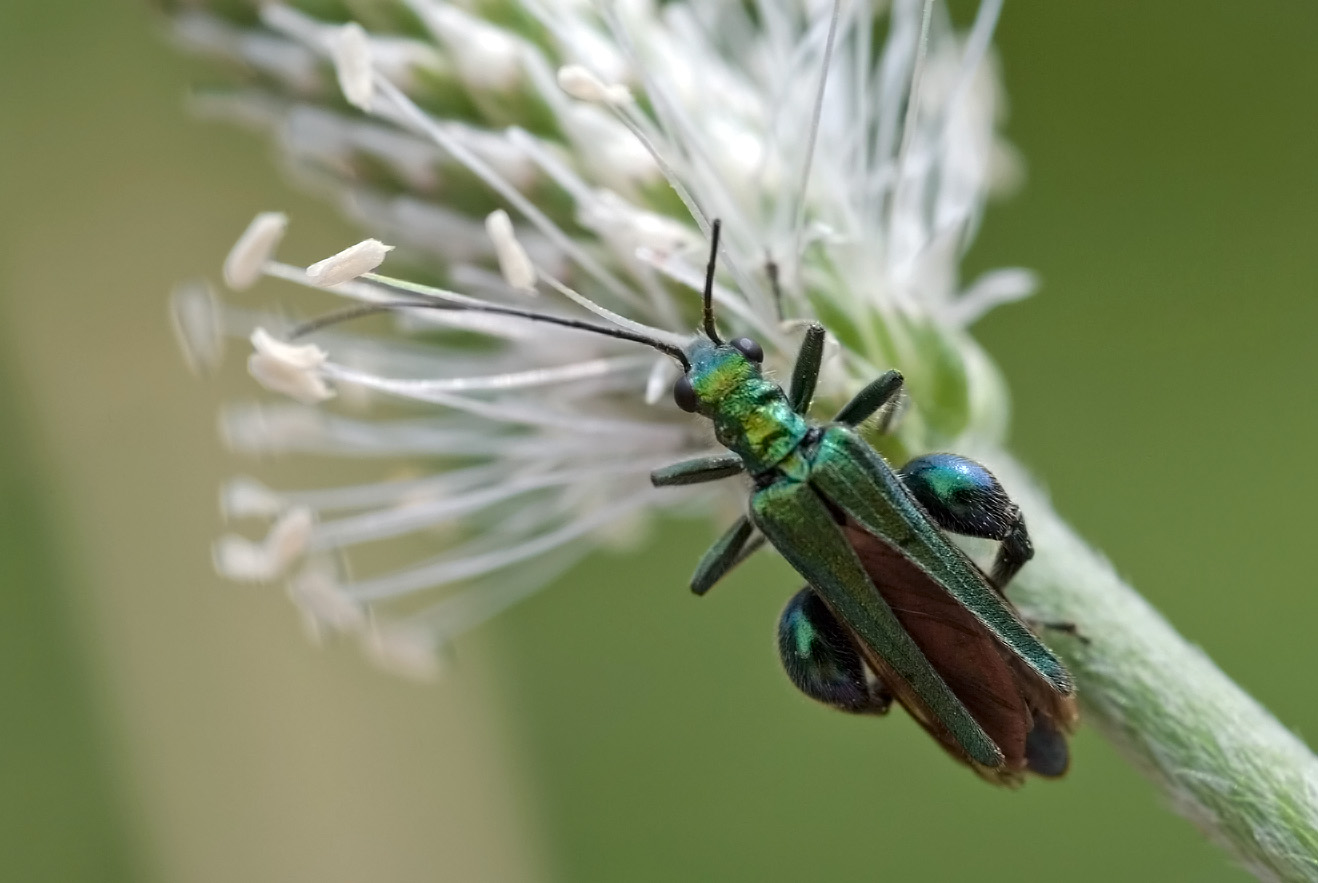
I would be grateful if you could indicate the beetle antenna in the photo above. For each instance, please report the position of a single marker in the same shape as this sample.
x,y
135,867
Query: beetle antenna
x,y
710,330
357,312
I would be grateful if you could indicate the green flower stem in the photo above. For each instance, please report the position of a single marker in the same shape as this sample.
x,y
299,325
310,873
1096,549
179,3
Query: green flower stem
x,y
1225,762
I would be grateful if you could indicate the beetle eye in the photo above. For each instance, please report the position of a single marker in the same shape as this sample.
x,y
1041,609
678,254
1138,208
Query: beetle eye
x,y
685,394
749,348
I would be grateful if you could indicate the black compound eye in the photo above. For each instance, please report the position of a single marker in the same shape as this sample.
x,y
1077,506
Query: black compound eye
x,y
685,394
748,348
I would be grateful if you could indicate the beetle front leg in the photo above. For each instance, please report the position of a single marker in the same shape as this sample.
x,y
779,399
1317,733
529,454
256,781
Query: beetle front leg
x,y
735,546
805,375
963,497
698,470
870,399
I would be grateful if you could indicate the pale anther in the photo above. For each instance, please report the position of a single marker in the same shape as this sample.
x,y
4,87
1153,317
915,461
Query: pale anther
x,y
317,593
243,560
582,85
288,368
198,326
246,260
350,49
514,263
404,650
348,264
243,497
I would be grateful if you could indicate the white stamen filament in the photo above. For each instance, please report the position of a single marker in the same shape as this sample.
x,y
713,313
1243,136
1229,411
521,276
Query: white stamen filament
x,y
368,293
411,517
509,410
355,497
466,609
660,380
408,113
454,568
273,429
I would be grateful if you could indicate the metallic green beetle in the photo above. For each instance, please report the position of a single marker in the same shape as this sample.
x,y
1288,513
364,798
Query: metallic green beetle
x,y
892,609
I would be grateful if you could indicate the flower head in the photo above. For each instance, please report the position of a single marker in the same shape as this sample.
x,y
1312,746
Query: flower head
x,y
581,152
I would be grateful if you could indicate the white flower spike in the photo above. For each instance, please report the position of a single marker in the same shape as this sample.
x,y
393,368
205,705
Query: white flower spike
x,y
557,176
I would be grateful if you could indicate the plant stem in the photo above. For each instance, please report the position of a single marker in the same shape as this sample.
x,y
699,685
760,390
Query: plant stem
x,y
1225,762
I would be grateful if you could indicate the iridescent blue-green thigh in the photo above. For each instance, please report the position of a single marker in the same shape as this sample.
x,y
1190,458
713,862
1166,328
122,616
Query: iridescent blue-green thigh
x,y
963,497
822,660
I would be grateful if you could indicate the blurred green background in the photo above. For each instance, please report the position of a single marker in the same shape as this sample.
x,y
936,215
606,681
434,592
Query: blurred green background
x,y
161,725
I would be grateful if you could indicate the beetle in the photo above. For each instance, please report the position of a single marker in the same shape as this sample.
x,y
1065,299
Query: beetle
x,y
892,609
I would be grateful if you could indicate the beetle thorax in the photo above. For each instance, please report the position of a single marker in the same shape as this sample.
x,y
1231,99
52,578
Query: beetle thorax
x,y
752,416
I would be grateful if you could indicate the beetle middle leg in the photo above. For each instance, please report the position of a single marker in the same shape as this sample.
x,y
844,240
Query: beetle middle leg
x,y
963,497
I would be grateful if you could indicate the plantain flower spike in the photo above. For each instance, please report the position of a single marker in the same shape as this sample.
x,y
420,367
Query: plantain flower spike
x,y
580,152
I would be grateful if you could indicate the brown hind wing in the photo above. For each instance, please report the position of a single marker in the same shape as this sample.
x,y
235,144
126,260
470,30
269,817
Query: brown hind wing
x,y
916,707
972,662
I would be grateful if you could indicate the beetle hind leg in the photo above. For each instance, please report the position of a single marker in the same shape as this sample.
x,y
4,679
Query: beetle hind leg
x,y
1065,627
822,660
963,497
1046,751
1016,549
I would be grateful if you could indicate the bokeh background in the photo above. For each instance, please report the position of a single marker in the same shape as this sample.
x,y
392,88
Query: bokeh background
x,y
158,724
